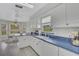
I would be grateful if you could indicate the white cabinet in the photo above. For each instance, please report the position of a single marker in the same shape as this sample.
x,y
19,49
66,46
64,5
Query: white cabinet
x,y
44,48
24,41
72,14
65,14
64,52
58,16
35,43
49,49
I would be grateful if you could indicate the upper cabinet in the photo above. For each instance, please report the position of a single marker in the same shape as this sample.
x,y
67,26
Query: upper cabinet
x,y
58,16
64,15
73,14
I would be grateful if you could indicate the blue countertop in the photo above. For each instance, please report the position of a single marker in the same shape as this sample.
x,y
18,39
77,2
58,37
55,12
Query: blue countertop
x,y
60,42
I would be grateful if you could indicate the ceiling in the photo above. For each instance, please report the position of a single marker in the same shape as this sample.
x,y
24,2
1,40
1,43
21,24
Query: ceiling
x,y
7,11
56,10
46,9
31,11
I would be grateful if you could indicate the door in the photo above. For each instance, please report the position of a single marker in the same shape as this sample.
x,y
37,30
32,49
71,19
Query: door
x,y
49,49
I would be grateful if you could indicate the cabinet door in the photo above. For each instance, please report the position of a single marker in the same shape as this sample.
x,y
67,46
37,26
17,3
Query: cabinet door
x,y
58,20
72,14
35,45
49,49
63,52
44,48
24,41
38,46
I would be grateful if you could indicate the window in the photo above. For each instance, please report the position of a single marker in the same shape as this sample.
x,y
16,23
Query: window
x,y
46,19
14,27
3,29
46,24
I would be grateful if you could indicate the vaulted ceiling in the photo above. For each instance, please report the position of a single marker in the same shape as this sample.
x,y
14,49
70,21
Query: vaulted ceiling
x,y
7,11
56,10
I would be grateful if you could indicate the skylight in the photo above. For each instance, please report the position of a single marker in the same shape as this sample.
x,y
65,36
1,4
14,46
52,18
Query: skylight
x,y
27,5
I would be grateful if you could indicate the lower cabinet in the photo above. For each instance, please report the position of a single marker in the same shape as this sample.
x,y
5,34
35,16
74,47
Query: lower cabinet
x,y
35,43
24,41
49,49
64,52
44,48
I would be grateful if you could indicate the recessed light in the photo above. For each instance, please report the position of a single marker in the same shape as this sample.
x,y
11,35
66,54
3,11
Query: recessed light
x,y
27,5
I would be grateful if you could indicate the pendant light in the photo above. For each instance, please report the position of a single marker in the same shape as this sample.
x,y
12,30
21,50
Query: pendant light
x,y
66,17
16,15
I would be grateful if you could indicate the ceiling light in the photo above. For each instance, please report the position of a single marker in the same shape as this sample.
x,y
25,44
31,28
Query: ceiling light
x,y
27,5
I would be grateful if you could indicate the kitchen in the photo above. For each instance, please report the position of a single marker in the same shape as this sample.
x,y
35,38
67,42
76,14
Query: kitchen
x,y
39,29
